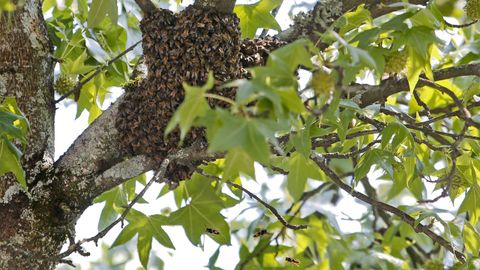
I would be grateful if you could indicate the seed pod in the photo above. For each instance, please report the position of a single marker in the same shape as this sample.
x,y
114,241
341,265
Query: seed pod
x,y
322,81
395,62
472,8
64,84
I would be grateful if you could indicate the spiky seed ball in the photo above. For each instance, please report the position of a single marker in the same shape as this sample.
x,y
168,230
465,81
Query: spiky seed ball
x,y
395,62
322,81
472,8
64,84
459,184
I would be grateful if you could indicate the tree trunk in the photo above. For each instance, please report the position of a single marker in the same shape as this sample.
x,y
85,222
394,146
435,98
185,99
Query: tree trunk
x,y
29,230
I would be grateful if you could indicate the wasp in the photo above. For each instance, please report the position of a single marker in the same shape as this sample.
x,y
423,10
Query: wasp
x,y
292,261
260,233
212,231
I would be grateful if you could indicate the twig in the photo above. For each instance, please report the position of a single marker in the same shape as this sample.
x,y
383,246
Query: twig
x,y
352,153
460,25
327,140
305,196
80,84
77,246
268,206
421,103
388,208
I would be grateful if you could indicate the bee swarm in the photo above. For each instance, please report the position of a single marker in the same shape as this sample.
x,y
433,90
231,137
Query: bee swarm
x,y
180,48
254,52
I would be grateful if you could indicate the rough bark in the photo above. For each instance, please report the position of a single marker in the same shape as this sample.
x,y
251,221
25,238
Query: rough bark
x,y
325,12
27,230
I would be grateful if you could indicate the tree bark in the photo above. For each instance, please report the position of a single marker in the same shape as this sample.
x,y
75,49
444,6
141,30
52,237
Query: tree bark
x,y
28,235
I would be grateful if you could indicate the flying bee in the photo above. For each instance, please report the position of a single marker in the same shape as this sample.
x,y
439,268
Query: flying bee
x,y
292,261
212,231
259,233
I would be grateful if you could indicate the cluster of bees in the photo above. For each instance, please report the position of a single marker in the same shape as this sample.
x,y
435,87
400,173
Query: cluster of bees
x,y
254,52
178,48
259,233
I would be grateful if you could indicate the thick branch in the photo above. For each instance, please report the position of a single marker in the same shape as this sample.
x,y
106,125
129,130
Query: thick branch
x,y
365,95
146,6
92,162
225,6
325,12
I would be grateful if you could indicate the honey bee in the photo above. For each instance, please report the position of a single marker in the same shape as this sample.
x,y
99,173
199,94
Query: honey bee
x,y
292,261
260,233
212,231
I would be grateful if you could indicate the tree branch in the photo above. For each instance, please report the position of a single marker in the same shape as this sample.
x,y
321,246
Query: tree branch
x,y
76,247
76,90
388,208
324,13
146,6
269,207
224,6
365,95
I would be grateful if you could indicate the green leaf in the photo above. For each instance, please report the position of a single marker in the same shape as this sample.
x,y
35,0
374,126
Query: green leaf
x,y
358,56
257,15
13,115
202,212
471,238
147,227
115,200
240,132
144,246
354,19
293,55
290,98
302,142
300,169
236,161
125,235
10,162
155,223
100,9
372,157
471,203
195,105
399,133
213,259
419,41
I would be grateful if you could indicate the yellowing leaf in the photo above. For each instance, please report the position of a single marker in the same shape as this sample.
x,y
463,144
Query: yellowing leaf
x,y
471,238
10,162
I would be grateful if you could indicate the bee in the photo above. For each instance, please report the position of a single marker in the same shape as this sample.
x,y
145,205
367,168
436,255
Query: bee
x,y
260,233
212,231
292,261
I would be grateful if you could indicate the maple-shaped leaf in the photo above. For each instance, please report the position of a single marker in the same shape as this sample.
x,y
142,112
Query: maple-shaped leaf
x,y
257,15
